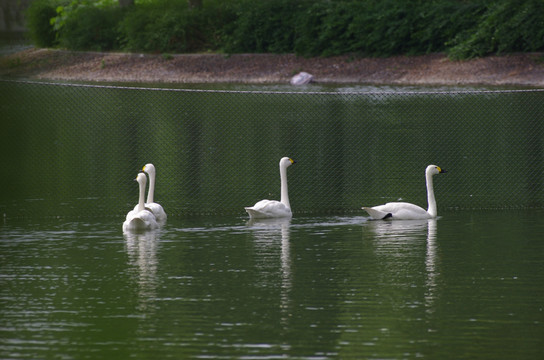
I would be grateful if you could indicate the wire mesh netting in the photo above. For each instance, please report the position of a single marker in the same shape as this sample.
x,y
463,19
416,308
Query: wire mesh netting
x,y
74,149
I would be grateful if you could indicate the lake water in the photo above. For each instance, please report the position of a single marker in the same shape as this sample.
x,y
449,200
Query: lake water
x,y
329,284
74,150
468,285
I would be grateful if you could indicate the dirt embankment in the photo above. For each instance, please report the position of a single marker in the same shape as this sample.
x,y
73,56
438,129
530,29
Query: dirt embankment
x,y
433,69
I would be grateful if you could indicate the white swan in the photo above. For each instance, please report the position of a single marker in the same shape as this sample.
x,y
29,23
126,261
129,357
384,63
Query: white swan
x,y
140,218
155,208
407,211
272,208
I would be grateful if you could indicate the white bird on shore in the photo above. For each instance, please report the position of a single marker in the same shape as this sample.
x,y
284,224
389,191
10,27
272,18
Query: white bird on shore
x,y
152,206
272,208
301,78
407,211
140,218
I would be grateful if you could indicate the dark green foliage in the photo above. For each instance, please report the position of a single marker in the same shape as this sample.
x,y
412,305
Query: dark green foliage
x,y
38,17
462,28
174,27
91,28
157,28
389,20
264,26
438,24
383,28
507,26
324,28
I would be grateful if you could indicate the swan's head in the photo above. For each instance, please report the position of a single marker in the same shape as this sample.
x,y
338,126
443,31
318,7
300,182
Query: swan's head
x,y
141,178
433,170
149,168
286,162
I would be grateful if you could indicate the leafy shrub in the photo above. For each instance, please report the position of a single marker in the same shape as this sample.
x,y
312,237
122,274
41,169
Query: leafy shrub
x,y
463,28
440,23
39,15
264,26
324,28
384,29
152,28
380,28
173,27
90,27
507,26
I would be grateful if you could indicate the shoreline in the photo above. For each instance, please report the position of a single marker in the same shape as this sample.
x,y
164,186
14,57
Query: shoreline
x,y
525,69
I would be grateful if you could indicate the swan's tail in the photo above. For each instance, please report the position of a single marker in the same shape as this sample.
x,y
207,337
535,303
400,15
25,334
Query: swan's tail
x,y
137,224
377,214
255,214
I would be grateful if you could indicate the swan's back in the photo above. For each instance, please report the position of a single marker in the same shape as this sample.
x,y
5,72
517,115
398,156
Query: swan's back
x,y
139,221
268,209
157,210
398,210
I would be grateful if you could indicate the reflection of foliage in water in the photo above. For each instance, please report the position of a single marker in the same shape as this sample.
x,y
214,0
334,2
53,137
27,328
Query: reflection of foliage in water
x,y
75,149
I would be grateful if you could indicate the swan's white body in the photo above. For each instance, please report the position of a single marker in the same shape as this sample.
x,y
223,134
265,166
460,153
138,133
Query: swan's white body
x,y
266,209
140,218
407,211
152,206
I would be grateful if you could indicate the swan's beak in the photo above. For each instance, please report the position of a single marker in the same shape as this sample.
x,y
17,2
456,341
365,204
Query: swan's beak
x,y
293,161
440,170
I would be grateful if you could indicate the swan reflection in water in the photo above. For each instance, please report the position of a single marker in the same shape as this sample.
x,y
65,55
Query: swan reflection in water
x,y
398,243
267,232
431,259
142,255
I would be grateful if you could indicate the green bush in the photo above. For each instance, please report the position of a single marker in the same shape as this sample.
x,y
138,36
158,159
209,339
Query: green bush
x,y
150,28
462,28
324,28
507,26
264,27
173,27
440,23
91,28
38,16
382,28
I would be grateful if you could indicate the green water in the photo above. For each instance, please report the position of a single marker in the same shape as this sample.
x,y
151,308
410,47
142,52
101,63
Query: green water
x,y
327,285
465,286
75,150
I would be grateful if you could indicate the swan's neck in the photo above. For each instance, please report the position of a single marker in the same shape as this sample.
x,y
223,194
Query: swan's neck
x,y
151,192
431,201
284,193
141,201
